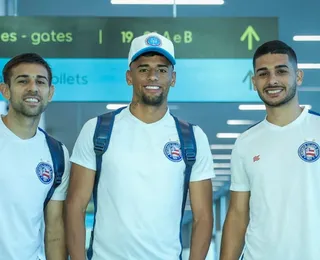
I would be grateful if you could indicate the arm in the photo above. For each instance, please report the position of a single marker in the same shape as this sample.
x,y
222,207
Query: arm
x,y
237,218
80,190
235,226
201,205
55,246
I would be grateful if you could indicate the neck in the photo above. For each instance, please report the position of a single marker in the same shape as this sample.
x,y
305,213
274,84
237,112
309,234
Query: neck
x,y
284,114
22,126
148,114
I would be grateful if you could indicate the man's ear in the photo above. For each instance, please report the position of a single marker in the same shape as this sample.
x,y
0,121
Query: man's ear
x,y
300,75
173,81
51,93
253,79
5,91
129,77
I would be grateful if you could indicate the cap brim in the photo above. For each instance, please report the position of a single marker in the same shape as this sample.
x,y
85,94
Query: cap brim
x,y
154,49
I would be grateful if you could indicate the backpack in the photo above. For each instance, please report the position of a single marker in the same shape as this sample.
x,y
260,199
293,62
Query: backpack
x,y
101,141
57,155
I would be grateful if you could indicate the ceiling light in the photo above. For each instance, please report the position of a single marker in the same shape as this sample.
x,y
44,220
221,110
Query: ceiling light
x,y
310,89
306,38
252,107
221,165
309,65
262,107
220,172
221,146
221,156
241,122
167,2
228,135
115,106
221,178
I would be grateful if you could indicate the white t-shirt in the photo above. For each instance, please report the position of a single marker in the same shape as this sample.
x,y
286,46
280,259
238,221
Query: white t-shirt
x,y
280,166
26,176
141,187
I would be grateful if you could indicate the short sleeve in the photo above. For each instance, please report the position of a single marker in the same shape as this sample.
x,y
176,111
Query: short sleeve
x,y
60,192
83,151
203,167
239,177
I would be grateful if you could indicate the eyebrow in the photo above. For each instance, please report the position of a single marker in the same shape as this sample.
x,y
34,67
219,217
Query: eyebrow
x,y
147,65
277,67
27,76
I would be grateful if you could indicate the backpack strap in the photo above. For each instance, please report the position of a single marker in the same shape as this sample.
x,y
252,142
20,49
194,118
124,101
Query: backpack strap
x,y
101,140
57,156
189,153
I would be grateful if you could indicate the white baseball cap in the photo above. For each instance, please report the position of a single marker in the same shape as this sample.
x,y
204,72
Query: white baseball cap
x,y
151,42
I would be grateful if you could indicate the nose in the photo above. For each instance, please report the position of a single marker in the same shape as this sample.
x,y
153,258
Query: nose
x,y
153,75
32,86
273,80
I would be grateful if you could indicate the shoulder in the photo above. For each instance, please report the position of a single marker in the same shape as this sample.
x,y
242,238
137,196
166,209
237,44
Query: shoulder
x,y
314,116
90,124
313,113
199,134
251,132
115,115
250,136
55,140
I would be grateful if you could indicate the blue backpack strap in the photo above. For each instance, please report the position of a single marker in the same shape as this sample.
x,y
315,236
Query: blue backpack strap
x,y
189,153
57,156
101,140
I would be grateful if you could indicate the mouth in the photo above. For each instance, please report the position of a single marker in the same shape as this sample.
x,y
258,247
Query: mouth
x,y
273,92
152,88
32,100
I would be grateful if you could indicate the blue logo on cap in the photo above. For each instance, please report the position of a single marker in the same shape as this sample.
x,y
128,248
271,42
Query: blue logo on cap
x,y
153,41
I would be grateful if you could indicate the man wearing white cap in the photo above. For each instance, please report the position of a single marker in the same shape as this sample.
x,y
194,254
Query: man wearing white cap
x,y
138,214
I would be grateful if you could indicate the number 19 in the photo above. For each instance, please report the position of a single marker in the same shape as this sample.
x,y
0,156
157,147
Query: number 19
x,y
127,36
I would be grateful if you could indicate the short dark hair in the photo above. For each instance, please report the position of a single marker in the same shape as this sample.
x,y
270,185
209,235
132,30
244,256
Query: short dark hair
x,y
150,54
32,58
275,47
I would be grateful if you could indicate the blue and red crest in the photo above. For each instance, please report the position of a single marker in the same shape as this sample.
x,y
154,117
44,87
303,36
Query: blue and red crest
x,y
309,151
44,172
172,151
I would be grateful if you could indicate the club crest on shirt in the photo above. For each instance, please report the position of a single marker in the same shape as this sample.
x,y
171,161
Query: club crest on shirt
x,y
44,172
172,151
309,151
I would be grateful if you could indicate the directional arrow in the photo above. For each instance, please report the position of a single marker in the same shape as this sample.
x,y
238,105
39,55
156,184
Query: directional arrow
x,y
248,78
250,33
